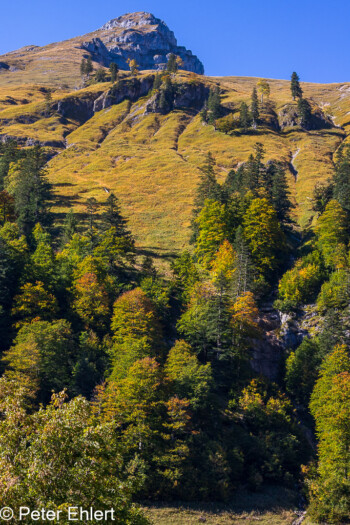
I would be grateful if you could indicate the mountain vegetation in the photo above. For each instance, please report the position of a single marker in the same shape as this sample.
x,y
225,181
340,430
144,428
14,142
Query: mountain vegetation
x,y
175,290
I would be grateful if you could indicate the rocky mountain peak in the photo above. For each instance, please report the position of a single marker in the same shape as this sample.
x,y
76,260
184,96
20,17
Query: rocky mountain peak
x,y
140,36
133,20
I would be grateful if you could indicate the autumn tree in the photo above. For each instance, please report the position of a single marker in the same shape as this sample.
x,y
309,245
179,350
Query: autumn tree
x,y
43,353
90,301
33,302
136,331
330,406
332,236
134,68
263,88
264,236
212,230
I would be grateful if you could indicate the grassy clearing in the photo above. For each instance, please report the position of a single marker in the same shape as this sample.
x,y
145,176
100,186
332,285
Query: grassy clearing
x,y
274,506
152,161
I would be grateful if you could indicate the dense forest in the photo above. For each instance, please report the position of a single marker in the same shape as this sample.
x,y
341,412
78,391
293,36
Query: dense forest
x,y
121,384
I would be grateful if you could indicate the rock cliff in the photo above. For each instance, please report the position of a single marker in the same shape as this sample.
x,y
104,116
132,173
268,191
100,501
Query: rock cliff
x,y
140,36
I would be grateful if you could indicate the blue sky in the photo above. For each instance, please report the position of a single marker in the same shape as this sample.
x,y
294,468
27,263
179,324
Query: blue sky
x,y
262,38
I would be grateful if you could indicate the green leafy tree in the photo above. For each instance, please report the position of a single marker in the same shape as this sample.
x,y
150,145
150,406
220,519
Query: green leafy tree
x,y
329,487
332,237
264,236
100,75
66,456
302,367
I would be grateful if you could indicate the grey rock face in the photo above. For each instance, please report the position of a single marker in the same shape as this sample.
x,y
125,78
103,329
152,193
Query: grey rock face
x,y
288,117
143,37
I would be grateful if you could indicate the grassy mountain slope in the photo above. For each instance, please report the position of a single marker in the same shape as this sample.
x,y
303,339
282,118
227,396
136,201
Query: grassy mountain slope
x,y
151,161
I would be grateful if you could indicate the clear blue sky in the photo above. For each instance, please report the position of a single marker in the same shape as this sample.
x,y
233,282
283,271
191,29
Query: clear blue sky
x,y
262,38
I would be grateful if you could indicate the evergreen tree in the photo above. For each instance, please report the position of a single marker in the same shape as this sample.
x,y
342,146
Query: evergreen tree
x,y
91,208
279,191
166,99
304,112
245,118
172,66
208,187
254,107
244,276
83,67
342,178
100,75
214,105
32,191
295,87
113,70
89,67
69,227
112,217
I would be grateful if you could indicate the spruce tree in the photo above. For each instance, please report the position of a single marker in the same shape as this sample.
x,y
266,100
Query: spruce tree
x,y
244,274
279,191
172,64
89,67
113,69
342,179
83,65
112,217
295,87
166,99
244,116
305,114
69,227
32,192
254,107
214,105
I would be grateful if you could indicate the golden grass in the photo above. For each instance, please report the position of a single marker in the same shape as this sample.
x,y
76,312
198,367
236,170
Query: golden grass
x,y
152,161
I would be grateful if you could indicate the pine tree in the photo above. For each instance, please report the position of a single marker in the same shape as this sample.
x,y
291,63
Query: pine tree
x,y
100,75
295,87
113,69
91,208
279,191
214,105
305,114
244,275
69,227
208,187
89,67
254,107
166,99
32,191
172,64
83,67
342,178
244,116
112,217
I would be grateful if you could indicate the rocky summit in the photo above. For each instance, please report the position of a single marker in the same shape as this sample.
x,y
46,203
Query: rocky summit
x,y
143,37
140,36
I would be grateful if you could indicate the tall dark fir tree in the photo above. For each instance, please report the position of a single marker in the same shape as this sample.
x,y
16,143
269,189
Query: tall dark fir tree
x,y
295,87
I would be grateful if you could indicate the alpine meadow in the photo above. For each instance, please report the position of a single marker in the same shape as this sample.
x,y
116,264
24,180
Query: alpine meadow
x,y
174,287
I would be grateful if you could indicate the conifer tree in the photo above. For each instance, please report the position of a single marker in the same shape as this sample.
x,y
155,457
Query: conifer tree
x,y
208,187
32,191
295,87
214,105
244,116
279,191
304,111
172,64
89,67
113,69
112,217
69,227
254,107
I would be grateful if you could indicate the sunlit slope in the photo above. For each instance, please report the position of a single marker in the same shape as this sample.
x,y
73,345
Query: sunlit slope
x,y
151,161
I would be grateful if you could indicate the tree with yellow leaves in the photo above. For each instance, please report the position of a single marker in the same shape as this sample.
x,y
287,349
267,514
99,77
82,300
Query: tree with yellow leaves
x,y
263,88
133,65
